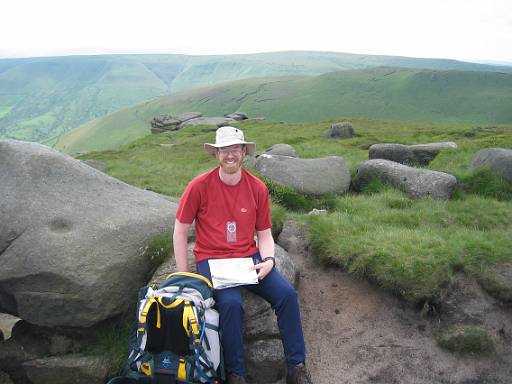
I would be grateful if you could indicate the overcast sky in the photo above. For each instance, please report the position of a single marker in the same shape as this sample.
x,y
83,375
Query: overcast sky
x,y
474,30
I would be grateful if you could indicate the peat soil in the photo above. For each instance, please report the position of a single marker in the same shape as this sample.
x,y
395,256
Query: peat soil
x,y
357,333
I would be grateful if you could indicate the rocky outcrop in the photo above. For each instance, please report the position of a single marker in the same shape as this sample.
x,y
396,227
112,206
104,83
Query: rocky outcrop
x,y
308,176
498,160
343,130
418,154
41,355
215,121
77,369
238,116
73,240
281,150
295,238
165,122
4,378
417,183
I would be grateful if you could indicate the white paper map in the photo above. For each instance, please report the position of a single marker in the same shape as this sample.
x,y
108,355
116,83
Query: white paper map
x,y
232,272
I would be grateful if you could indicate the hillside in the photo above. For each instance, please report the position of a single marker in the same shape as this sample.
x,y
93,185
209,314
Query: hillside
x,y
432,264
414,248
44,97
383,92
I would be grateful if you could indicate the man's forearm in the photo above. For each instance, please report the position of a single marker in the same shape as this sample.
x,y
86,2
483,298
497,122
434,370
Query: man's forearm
x,y
180,243
266,244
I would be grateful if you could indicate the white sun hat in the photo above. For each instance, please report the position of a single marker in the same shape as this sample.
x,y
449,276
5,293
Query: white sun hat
x,y
226,136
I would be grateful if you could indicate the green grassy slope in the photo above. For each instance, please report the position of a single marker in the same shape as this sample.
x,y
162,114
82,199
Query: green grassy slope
x,y
384,92
45,97
414,248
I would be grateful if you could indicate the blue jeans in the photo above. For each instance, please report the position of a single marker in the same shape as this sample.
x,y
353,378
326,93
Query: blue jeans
x,y
281,295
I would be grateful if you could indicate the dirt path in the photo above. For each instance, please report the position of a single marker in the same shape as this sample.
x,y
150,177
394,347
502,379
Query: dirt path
x,y
357,334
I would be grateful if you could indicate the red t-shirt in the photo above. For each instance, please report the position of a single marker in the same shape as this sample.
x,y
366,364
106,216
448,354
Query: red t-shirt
x,y
214,204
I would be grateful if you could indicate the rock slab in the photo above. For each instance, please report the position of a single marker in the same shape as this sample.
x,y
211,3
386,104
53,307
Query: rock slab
x,y
417,154
499,160
281,150
416,182
77,369
308,176
73,240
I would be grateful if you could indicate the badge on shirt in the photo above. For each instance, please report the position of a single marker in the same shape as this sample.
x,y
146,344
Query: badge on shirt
x,y
231,231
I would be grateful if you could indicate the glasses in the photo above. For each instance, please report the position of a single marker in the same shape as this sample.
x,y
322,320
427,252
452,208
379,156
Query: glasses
x,y
233,151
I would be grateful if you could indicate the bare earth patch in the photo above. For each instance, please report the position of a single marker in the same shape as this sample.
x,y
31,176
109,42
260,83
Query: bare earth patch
x,y
356,333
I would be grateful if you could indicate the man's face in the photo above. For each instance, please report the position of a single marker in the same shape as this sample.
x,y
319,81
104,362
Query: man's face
x,y
231,158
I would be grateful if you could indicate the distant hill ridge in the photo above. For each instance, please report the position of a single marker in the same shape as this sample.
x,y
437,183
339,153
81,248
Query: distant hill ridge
x,y
382,92
45,97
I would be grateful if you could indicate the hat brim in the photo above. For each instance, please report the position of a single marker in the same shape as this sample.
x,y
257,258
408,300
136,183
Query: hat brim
x,y
250,147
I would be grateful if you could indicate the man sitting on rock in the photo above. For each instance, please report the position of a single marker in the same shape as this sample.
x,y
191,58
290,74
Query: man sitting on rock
x,y
228,204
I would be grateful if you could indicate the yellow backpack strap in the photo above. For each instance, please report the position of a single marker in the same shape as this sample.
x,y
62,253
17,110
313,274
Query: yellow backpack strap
x,y
145,310
189,317
182,372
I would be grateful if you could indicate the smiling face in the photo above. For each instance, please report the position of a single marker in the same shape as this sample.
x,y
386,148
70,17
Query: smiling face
x,y
231,158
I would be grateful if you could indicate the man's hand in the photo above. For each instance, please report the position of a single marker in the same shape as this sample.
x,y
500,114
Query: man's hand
x,y
263,268
267,249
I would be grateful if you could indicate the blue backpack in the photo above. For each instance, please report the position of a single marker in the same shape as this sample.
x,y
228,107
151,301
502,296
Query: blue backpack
x,y
177,338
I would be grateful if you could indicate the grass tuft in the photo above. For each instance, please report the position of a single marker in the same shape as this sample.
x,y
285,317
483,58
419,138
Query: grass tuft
x,y
484,182
112,342
467,339
279,216
159,249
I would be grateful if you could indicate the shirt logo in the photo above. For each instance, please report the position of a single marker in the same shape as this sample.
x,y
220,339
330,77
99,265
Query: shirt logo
x,y
243,210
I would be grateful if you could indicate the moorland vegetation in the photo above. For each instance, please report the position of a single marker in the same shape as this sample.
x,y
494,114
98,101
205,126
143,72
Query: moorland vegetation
x,y
43,97
413,248
381,93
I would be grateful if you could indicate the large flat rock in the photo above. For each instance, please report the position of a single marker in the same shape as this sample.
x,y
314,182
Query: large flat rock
x,y
416,182
73,241
308,176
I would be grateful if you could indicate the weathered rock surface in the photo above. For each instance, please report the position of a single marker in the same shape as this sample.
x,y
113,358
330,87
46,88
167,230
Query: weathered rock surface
x,y
281,150
499,160
418,154
76,369
265,361
237,116
343,130
215,121
309,176
72,239
6,324
294,238
417,183
29,342
165,122
4,378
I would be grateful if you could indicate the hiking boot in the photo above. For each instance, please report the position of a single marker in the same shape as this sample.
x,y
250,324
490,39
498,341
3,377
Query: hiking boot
x,y
233,378
298,375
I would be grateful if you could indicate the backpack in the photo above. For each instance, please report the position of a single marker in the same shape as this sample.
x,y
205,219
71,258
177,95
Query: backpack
x,y
177,338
